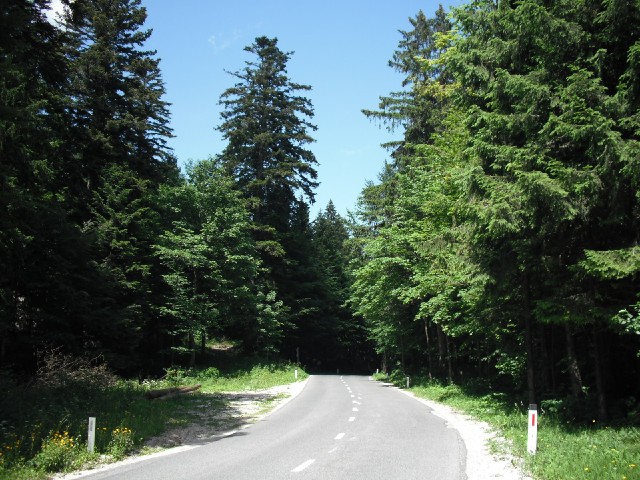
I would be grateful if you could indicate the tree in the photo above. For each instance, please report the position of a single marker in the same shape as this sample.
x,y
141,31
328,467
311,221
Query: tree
x,y
210,259
117,158
418,110
47,280
266,124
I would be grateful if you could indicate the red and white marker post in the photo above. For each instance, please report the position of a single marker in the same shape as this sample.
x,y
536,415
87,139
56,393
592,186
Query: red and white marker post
x,y
532,440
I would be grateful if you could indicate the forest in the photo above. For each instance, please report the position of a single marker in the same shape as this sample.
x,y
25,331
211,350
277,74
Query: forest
x,y
499,244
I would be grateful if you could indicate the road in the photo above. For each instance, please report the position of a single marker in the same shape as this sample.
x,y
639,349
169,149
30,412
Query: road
x,y
338,427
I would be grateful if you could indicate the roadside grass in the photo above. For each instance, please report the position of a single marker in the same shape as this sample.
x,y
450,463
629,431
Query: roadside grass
x,y
43,428
566,450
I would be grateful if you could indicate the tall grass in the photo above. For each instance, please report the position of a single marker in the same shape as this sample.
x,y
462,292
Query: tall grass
x,y
43,426
566,450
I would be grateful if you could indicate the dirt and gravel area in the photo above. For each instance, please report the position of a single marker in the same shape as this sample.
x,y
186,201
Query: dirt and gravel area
x,y
218,414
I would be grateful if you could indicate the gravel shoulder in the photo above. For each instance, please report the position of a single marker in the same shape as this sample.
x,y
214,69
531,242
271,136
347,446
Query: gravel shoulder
x,y
482,464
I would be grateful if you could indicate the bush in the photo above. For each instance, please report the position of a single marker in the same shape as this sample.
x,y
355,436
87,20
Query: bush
x,y
121,443
58,453
57,370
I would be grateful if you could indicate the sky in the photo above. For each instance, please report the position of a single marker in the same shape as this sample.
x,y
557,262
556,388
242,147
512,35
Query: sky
x,y
341,49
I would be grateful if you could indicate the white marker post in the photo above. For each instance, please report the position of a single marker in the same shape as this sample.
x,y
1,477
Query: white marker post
x,y
296,373
532,439
407,382
91,437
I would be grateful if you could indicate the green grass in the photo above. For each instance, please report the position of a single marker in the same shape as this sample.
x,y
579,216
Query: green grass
x,y
566,451
43,429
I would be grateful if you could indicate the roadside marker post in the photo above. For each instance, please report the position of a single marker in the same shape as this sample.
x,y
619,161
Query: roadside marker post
x,y
91,436
296,373
408,382
532,439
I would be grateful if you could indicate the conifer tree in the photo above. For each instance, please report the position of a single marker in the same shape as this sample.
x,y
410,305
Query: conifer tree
x,y
266,123
119,157
46,277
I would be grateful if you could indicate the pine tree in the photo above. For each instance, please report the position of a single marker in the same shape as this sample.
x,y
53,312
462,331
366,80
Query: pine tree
x,y
118,157
418,109
266,124
46,277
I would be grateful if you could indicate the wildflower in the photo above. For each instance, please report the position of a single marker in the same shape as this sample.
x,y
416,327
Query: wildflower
x,y
632,465
586,469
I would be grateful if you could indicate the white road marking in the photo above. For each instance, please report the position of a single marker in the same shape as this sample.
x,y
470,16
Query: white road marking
x,y
304,465
333,449
351,419
356,402
354,409
339,436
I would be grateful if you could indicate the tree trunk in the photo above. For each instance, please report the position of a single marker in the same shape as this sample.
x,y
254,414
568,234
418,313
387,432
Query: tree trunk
x,y
449,365
528,339
573,368
385,369
203,342
426,333
600,386
554,381
192,349
442,347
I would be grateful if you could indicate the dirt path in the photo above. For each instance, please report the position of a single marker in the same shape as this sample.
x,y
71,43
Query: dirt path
x,y
240,410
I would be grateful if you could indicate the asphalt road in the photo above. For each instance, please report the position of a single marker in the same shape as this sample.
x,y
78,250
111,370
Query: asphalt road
x,y
338,427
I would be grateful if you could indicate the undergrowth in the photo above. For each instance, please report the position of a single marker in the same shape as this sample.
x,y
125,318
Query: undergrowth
x,y
43,425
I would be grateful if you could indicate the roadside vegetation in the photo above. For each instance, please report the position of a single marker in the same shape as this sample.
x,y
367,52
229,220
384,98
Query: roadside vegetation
x,y
43,426
567,448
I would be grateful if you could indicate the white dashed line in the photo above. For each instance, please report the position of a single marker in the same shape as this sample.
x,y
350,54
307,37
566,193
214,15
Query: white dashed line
x,y
339,436
304,465
354,409
352,419
356,402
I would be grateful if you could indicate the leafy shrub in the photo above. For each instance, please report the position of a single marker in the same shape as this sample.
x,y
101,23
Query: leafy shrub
x,y
208,373
58,453
121,443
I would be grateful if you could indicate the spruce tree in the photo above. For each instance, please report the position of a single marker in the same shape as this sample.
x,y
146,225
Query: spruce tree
x,y
46,277
266,123
119,157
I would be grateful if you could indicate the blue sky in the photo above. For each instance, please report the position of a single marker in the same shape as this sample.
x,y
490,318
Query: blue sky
x,y
341,49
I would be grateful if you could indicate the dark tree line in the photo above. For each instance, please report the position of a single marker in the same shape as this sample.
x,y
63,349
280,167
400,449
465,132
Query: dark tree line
x,y
501,242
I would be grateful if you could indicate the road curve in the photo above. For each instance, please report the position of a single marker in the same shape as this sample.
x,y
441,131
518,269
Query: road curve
x,y
338,427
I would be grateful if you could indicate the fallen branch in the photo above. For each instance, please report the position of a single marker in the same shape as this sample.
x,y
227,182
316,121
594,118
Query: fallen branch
x,y
165,392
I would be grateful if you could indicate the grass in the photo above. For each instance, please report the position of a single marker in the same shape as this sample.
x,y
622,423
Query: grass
x,y
43,426
566,450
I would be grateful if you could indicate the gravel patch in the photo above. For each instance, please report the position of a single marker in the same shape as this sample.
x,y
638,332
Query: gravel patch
x,y
481,463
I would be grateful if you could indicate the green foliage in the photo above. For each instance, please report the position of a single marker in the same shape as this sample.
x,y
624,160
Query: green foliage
x,y
564,450
511,221
44,425
121,443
